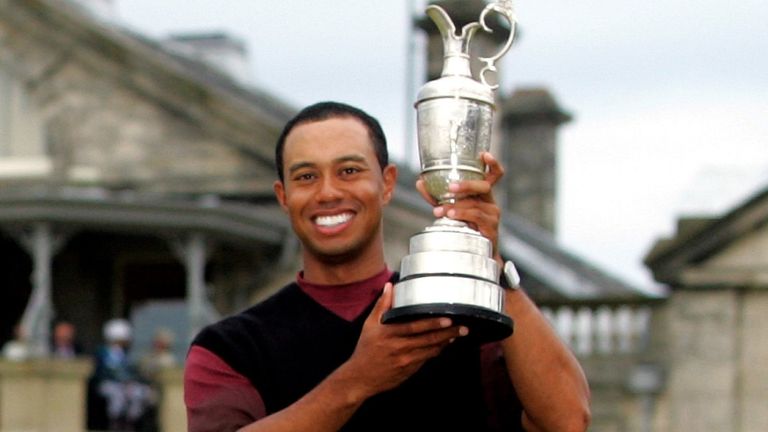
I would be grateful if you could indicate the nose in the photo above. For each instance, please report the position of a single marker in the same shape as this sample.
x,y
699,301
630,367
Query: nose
x,y
329,189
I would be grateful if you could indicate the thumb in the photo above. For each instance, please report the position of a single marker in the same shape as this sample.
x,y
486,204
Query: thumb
x,y
384,303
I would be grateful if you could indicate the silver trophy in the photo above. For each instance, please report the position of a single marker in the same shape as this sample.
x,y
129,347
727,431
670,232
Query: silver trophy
x,y
450,270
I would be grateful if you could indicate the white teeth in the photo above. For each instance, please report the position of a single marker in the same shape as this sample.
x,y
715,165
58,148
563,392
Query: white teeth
x,y
327,221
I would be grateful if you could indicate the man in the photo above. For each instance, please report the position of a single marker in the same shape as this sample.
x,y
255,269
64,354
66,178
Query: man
x,y
316,357
116,380
64,341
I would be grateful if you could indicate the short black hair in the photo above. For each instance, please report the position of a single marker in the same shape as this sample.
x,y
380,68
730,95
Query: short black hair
x,y
327,110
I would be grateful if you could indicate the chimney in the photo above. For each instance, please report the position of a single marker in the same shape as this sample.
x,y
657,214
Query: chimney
x,y
530,121
218,49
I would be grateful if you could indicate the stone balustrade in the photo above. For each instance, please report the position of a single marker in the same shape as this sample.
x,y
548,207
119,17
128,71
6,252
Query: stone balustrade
x,y
43,395
172,414
612,343
602,330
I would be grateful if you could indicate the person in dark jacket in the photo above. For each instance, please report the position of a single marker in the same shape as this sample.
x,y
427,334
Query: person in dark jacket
x,y
116,378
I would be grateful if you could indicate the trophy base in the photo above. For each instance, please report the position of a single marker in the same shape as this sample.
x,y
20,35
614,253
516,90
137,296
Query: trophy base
x,y
484,324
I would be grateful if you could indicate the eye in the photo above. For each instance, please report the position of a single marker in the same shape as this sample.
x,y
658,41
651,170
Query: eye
x,y
350,171
304,177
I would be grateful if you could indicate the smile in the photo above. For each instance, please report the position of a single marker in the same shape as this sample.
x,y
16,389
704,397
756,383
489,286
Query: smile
x,y
334,220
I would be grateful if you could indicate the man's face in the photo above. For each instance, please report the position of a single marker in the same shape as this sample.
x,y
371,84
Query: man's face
x,y
64,333
334,189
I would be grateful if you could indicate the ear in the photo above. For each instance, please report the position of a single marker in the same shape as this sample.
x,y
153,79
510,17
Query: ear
x,y
390,180
279,189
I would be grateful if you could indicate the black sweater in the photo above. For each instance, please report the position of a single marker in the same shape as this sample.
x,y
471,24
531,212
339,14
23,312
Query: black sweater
x,y
289,343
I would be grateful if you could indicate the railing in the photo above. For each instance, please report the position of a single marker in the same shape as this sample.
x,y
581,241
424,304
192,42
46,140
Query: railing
x,y
603,330
613,345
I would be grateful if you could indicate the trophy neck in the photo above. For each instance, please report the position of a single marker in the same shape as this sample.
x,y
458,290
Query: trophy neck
x,y
453,225
455,47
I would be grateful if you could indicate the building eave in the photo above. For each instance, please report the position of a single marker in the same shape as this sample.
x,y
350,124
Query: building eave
x,y
231,222
670,258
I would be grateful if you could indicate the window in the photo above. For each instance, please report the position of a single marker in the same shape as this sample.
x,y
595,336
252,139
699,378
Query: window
x,y
22,147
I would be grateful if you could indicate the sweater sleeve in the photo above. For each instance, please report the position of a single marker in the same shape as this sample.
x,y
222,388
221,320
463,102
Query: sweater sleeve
x,y
218,399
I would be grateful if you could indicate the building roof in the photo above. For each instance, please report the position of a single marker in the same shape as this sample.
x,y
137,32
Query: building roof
x,y
699,239
186,86
551,274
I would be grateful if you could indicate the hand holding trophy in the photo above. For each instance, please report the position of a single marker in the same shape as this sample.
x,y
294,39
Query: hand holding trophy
x,y
450,270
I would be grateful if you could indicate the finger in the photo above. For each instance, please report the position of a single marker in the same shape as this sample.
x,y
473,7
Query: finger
x,y
437,338
494,170
422,354
469,189
421,326
422,188
477,211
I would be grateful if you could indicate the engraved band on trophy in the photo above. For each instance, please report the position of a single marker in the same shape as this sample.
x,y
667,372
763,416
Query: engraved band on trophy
x,y
450,270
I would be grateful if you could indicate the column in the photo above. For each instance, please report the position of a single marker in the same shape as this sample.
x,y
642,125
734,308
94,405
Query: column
x,y
41,244
193,253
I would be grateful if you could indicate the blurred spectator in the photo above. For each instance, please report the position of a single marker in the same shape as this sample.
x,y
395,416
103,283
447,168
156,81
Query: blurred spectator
x,y
17,349
64,344
117,381
160,355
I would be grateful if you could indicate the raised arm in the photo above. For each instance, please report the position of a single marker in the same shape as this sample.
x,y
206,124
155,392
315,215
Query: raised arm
x,y
546,376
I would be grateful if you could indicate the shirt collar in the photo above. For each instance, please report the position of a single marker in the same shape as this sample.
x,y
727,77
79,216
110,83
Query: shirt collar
x,y
349,300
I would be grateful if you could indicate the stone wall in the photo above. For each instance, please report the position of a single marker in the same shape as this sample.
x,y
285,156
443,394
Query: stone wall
x,y
693,362
716,348
702,360
115,116
43,395
753,384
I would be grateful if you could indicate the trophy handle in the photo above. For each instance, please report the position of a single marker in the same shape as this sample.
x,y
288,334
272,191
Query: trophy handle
x,y
504,8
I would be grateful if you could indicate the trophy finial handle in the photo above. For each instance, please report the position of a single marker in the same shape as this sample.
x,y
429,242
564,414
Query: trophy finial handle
x,y
505,9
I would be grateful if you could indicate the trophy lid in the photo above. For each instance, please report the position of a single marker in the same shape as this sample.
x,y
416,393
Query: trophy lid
x,y
456,80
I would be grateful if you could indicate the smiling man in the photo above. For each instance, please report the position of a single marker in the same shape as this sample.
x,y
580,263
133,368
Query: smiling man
x,y
316,356
334,191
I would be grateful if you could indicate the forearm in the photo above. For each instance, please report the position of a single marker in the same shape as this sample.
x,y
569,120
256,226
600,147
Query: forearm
x,y
326,408
547,377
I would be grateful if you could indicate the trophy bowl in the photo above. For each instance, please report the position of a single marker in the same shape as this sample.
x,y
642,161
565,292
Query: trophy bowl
x,y
452,134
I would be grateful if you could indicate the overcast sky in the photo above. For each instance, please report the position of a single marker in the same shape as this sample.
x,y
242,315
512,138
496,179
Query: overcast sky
x,y
670,99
